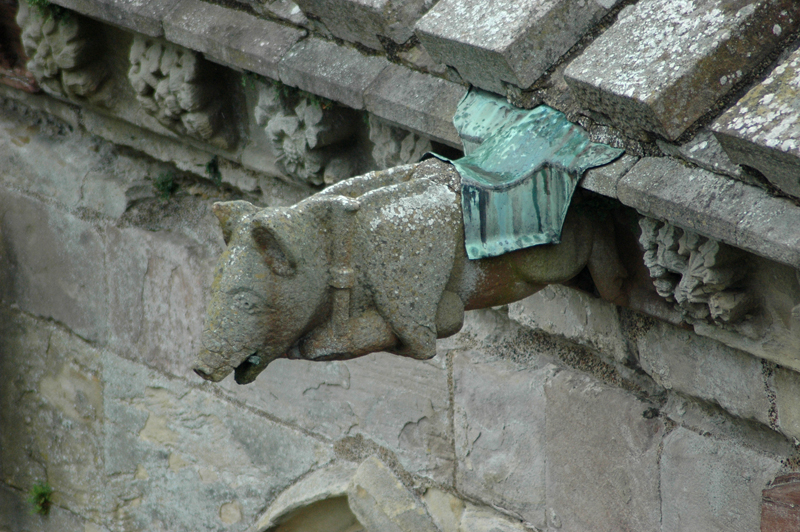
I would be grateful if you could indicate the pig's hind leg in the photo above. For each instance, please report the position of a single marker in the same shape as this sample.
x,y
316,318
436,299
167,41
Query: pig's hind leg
x,y
608,272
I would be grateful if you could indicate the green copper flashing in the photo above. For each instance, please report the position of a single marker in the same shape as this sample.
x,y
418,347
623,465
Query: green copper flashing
x,y
519,174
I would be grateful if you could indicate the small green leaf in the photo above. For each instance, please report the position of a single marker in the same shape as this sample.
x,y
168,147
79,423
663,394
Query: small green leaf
x,y
40,498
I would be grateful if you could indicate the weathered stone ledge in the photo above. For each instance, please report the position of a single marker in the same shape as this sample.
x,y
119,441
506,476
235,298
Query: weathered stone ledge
x,y
142,17
283,52
231,37
714,205
741,215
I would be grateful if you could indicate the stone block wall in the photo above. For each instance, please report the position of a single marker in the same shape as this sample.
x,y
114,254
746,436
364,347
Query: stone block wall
x,y
561,412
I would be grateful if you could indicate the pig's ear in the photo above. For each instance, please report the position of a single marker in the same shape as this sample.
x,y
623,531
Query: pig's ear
x,y
275,249
230,214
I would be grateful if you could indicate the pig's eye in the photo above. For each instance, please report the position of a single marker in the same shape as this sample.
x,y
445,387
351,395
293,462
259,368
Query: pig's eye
x,y
247,302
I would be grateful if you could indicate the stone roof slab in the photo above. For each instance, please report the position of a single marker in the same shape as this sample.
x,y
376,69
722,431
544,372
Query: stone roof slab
x,y
763,129
509,41
362,21
665,63
419,102
231,37
336,72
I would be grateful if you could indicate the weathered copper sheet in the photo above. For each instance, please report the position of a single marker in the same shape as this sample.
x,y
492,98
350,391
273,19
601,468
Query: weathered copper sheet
x,y
520,172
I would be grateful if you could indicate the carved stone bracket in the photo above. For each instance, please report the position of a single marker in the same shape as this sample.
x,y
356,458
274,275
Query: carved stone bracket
x,y
63,50
178,87
703,277
393,146
306,134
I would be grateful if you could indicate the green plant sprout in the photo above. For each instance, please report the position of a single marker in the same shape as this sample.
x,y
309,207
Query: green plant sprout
x,y
249,79
47,10
319,101
212,169
284,91
165,184
41,498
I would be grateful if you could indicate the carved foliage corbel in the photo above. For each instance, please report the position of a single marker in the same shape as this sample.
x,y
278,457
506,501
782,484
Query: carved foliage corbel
x,y
307,134
393,146
178,87
64,51
701,276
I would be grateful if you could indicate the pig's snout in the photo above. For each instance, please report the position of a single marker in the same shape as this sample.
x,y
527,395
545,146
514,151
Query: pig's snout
x,y
206,371
203,371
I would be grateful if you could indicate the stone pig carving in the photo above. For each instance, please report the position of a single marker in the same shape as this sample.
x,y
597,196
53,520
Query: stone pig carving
x,y
374,263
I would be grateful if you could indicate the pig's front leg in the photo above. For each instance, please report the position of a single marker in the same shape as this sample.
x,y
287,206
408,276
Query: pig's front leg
x,y
361,336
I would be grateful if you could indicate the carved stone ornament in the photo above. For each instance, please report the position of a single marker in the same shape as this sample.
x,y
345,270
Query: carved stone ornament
x,y
63,50
393,146
178,87
12,53
374,263
306,134
703,277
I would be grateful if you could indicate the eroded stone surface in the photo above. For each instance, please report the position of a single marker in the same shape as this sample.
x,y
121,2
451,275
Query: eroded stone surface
x,y
489,43
363,21
396,402
165,440
125,445
51,262
603,180
156,292
664,62
602,457
16,516
418,102
787,400
76,172
326,483
500,434
452,514
381,502
283,9
335,72
709,484
763,129
573,315
53,399
477,519
705,151
700,367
